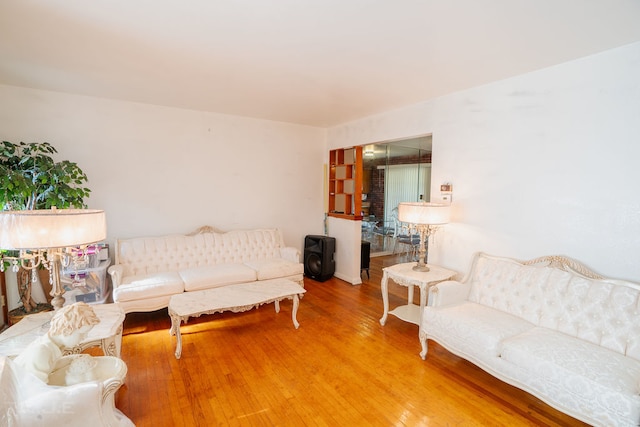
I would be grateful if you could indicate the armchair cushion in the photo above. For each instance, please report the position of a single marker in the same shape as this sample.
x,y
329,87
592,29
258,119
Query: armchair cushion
x,y
79,405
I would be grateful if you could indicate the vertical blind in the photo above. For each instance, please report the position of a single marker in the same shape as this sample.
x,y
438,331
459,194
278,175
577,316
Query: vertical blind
x,y
405,183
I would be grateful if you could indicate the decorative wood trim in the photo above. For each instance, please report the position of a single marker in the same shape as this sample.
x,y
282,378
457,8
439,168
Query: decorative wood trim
x,y
564,263
205,229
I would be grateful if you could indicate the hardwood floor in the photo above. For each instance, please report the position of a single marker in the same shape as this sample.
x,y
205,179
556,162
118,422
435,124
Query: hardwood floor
x,y
340,368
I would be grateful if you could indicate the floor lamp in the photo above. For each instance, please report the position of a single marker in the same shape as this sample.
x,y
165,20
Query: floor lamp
x,y
425,217
50,238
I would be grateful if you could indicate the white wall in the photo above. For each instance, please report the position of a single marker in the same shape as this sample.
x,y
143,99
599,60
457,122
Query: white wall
x,y
544,163
347,256
540,164
158,170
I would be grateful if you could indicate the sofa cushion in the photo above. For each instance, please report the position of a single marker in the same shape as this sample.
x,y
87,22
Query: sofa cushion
x,y
275,267
148,286
216,275
472,328
598,379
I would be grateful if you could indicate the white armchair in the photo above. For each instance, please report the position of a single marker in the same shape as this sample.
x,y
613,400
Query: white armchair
x,y
27,401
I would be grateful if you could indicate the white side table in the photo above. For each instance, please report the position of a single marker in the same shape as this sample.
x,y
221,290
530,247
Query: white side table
x,y
107,334
404,275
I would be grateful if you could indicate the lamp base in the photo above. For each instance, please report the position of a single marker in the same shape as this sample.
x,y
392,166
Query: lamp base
x,y
422,254
57,302
420,267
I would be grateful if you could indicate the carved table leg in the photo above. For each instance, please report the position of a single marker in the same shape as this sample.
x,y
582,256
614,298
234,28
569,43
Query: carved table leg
x,y
294,311
385,297
277,304
175,330
423,304
423,344
108,346
111,346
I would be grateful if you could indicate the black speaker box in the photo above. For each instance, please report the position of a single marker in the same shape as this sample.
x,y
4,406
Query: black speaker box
x,y
365,257
318,257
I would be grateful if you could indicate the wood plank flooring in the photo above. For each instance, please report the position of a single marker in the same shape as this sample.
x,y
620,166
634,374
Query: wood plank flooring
x,y
340,368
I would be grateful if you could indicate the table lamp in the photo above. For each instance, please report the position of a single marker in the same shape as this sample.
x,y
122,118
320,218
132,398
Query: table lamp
x,y
49,237
425,217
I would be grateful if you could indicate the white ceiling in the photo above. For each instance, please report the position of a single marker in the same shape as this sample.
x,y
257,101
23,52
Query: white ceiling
x,y
314,62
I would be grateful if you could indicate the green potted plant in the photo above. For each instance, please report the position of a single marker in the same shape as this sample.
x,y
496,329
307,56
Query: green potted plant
x,y
30,179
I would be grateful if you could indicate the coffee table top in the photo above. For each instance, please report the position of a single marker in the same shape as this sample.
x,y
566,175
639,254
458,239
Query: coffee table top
x,y
192,304
19,336
404,275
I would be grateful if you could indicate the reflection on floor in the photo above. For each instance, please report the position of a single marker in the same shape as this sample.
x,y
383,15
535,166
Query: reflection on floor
x,y
377,243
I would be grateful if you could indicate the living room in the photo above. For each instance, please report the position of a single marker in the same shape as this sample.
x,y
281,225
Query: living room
x,y
521,153
541,161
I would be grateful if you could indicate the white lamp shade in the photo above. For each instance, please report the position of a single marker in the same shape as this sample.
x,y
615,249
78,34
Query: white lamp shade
x,y
424,213
51,228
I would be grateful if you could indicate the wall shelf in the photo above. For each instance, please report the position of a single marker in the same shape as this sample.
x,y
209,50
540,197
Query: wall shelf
x,y
345,183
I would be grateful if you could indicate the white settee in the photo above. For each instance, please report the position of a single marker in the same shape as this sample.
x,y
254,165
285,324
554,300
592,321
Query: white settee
x,y
149,270
548,326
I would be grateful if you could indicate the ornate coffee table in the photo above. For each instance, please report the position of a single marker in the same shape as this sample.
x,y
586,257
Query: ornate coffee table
x,y
107,334
235,298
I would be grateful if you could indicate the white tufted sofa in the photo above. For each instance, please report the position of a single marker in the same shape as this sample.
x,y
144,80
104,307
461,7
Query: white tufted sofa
x,y
548,326
149,270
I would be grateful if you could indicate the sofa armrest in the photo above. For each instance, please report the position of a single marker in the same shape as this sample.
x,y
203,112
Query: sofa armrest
x,y
115,271
290,254
448,292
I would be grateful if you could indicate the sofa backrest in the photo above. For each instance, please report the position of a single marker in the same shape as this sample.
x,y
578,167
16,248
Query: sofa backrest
x,y
145,255
551,294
